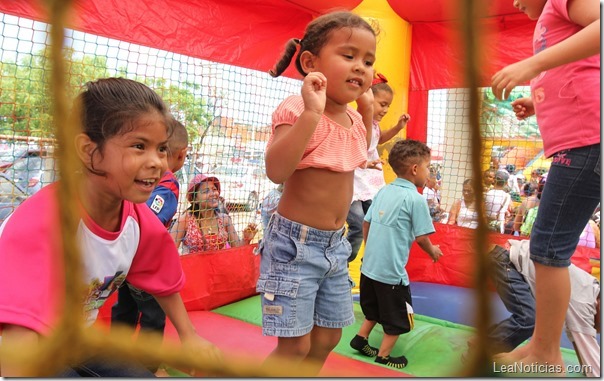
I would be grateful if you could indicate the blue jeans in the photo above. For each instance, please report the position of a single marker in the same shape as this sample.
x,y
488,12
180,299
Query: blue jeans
x,y
132,301
100,367
304,279
355,218
570,196
517,297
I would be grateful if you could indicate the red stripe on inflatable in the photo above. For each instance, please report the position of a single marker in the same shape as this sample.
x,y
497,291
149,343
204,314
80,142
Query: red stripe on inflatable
x,y
246,340
456,266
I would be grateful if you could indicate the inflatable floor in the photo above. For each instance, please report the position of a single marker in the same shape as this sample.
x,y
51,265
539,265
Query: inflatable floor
x,y
433,348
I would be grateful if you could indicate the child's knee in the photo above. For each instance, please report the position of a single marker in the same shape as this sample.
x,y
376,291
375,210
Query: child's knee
x,y
293,347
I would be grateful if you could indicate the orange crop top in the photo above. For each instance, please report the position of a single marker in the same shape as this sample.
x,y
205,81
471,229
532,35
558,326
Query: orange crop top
x,y
332,146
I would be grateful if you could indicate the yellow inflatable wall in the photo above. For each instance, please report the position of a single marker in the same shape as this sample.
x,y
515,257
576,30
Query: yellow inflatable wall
x,y
393,60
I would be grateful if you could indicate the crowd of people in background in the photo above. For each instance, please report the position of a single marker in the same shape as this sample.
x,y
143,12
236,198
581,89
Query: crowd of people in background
x,y
511,203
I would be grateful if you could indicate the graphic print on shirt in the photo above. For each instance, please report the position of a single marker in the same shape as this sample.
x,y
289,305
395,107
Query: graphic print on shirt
x,y
99,291
540,41
157,204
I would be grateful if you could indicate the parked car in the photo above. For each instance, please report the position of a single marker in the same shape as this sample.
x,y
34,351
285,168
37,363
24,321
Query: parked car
x,y
12,156
11,195
31,173
243,184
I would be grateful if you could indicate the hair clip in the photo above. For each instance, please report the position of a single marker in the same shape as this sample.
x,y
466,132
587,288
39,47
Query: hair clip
x,y
380,78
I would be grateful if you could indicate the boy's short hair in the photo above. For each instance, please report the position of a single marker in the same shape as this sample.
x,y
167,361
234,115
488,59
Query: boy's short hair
x,y
501,177
405,153
179,138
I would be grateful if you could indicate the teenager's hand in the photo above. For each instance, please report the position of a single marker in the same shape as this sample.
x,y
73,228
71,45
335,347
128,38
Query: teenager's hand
x,y
504,81
523,108
314,92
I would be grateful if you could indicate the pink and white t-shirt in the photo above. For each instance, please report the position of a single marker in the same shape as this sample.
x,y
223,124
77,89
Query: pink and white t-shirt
x,y
566,98
31,262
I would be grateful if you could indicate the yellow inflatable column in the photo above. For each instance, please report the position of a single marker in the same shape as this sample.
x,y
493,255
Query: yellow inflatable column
x,y
393,60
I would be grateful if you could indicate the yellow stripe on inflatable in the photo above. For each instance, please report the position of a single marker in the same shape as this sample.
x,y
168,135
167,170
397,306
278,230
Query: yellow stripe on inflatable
x,y
393,60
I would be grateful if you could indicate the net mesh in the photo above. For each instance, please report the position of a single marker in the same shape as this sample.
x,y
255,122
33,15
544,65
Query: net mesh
x,y
227,112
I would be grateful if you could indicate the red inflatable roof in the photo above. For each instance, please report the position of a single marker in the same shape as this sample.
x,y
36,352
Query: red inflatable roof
x,y
252,33
416,11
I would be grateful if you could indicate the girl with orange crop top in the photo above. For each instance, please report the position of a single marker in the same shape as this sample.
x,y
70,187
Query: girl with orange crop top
x,y
317,141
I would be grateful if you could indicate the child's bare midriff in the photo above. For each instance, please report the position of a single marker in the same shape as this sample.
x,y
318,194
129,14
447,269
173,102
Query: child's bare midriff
x,y
318,198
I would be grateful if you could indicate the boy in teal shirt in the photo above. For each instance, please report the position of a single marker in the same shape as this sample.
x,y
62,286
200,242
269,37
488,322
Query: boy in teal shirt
x,y
398,216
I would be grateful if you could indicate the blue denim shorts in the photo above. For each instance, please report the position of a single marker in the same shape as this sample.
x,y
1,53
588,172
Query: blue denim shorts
x,y
304,279
570,196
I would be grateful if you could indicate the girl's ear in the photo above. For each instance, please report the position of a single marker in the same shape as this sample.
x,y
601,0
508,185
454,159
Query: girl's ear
x,y
85,148
307,61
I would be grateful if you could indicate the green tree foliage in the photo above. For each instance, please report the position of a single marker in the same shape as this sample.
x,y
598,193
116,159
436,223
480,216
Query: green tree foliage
x,y
186,104
25,103
498,119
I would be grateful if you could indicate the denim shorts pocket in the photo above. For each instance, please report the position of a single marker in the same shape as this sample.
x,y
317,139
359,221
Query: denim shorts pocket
x,y
278,286
351,282
282,248
278,301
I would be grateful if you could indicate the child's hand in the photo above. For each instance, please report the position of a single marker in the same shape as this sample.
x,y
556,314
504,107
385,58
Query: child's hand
x,y
402,121
504,81
375,164
365,102
436,253
314,92
523,107
250,231
200,347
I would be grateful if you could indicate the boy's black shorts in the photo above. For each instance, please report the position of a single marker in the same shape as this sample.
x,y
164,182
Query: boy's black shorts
x,y
387,305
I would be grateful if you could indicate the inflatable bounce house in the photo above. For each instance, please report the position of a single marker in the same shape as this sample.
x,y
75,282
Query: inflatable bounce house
x,y
421,48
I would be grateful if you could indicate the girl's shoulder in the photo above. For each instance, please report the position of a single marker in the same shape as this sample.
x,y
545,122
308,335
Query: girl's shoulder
x,y
288,110
293,103
223,217
144,216
36,216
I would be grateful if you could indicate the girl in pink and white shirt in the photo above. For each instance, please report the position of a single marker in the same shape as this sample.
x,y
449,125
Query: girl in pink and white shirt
x,y
123,149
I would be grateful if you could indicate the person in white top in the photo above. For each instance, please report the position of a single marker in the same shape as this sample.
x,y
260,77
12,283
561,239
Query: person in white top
x,y
582,321
463,212
369,180
497,202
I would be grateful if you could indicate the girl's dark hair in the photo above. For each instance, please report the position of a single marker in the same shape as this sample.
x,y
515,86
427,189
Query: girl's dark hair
x,y
109,106
382,86
316,36
405,153
540,187
529,189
